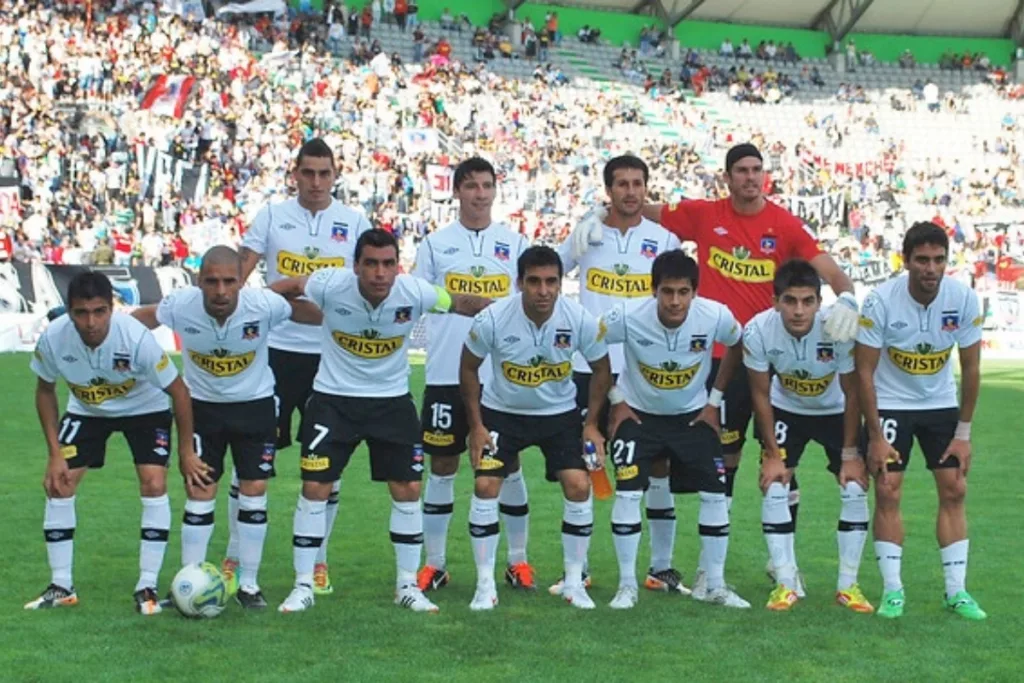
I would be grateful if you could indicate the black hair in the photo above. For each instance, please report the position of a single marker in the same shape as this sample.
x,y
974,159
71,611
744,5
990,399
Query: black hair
x,y
674,265
796,273
538,256
315,147
621,162
375,238
470,166
741,151
90,284
924,232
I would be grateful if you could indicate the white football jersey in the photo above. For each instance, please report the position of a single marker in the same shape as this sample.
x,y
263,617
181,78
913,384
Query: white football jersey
x,y
533,367
364,350
917,341
807,370
123,376
226,364
666,369
296,243
618,268
464,261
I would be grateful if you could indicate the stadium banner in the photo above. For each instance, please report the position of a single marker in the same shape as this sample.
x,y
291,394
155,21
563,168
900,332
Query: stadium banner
x,y
162,172
439,180
816,210
870,272
420,141
190,10
254,7
10,205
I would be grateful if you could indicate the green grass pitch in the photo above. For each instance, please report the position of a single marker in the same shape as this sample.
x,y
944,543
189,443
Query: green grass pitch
x,y
358,634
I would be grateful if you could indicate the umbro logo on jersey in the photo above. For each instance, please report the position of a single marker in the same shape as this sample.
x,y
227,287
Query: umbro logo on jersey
x,y
775,352
69,359
122,362
342,311
898,325
720,231
450,250
644,342
403,314
192,330
511,339
286,226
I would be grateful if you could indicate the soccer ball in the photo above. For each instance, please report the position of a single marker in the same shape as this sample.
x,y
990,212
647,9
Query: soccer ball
x,y
199,591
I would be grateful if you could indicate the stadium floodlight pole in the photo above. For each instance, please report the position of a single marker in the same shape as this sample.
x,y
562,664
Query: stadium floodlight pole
x,y
1015,26
682,14
838,17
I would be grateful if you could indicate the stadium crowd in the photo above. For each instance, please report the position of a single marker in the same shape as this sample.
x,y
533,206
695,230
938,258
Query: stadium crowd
x,y
73,123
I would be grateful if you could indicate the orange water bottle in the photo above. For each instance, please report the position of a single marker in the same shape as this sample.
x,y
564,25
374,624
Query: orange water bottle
x,y
598,476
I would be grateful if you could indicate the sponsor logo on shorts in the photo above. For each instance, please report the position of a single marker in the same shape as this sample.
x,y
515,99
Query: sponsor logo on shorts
x,y
220,363
478,283
368,344
68,452
269,451
619,282
782,454
438,438
669,375
162,437
923,360
801,383
536,373
488,463
98,390
290,264
627,472
729,436
315,463
737,265
162,364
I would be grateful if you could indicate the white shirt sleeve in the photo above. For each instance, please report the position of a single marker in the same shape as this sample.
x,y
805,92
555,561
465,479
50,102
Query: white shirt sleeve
x,y
613,324
279,308
754,355
672,242
481,334
317,285
424,265
165,311
429,294
727,332
568,262
969,332
153,363
255,238
43,363
591,343
872,321
844,356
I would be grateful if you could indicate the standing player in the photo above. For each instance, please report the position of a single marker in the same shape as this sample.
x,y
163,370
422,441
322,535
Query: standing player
x,y
812,397
530,401
665,412
223,328
117,375
907,332
617,269
473,255
297,237
361,393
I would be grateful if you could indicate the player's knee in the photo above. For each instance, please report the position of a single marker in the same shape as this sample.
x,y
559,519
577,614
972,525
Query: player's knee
x,y
888,493
404,491
444,465
952,489
659,469
732,459
316,490
487,487
256,487
153,484
576,486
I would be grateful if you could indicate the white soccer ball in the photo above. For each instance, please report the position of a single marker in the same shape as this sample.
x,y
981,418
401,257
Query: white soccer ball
x,y
199,591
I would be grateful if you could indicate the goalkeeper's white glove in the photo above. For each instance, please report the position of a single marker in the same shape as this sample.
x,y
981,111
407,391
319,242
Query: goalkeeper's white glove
x,y
590,230
841,325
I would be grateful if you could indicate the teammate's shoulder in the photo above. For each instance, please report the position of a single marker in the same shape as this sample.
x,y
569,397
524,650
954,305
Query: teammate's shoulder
x,y
127,325
889,290
765,319
954,288
57,328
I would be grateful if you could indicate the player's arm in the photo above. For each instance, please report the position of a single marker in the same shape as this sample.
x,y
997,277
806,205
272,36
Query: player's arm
x,y
290,287
970,387
254,242
57,480
194,470
468,304
682,219
728,333
305,312
841,325
147,316
250,259
600,384
437,299
851,463
830,272
470,390
764,413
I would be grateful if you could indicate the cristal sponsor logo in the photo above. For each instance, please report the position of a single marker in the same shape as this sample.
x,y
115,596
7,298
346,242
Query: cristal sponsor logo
x,y
220,363
99,390
738,265
478,283
536,373
627,472
490,463
438,438
368,344
619,282
729,436
315,463
669,375
801,383
923,360
297,265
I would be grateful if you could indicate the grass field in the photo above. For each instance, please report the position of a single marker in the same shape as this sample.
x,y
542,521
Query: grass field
x,y
357,634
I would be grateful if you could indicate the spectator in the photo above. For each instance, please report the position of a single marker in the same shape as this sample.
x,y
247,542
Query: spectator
x,y
726,49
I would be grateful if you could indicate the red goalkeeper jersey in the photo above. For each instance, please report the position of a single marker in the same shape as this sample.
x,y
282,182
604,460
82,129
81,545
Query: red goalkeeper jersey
x,y
738,254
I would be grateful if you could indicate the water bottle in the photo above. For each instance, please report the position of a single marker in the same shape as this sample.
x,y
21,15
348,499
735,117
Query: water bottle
x,y
598,476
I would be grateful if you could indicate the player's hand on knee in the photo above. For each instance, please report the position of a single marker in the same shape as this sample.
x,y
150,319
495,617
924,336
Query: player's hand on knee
x,y
773,469
57,480
841,325
195,471
618,414
853,470
880,454
961,450
479,441
709,415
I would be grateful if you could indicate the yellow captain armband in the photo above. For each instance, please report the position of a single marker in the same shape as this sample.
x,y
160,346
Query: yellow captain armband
x,y
444,301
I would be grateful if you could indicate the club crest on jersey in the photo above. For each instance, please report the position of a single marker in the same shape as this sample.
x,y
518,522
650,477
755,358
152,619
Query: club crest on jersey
x,y
767,244
649,248
339,231
826,353
122,362
950,321
251,330
699,343
563,339
403,314
501,251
